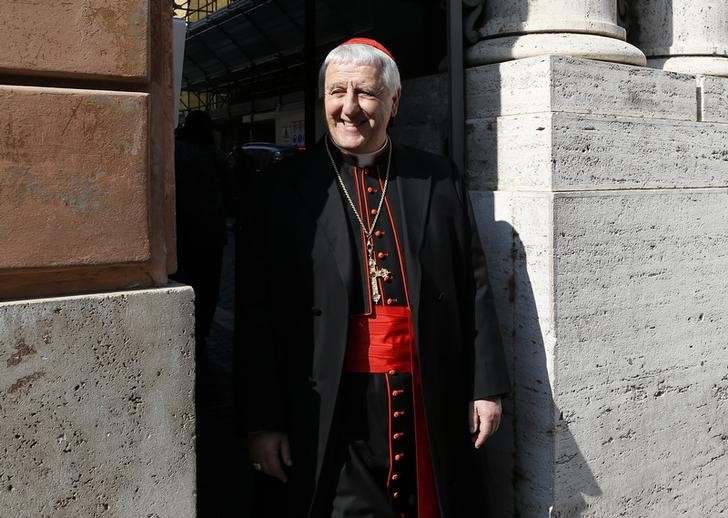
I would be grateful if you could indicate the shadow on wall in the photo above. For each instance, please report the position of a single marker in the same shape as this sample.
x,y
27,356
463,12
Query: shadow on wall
x,y
535,466
629,19
422,119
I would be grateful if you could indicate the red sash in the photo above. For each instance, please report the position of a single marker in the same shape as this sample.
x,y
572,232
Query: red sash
x,y
380,342
383,342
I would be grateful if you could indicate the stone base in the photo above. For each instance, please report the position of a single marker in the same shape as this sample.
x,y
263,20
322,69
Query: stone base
x,y
588,46
694,65
97,405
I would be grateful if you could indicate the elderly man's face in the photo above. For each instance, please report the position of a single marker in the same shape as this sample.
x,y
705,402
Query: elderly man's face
x,y
358,107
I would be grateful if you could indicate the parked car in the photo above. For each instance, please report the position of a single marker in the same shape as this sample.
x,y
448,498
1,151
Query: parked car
x,y
256,157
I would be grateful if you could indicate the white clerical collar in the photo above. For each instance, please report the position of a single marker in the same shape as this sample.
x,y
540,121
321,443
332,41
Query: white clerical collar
x,y
364,159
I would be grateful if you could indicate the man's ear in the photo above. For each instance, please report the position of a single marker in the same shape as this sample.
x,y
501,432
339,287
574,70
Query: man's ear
x,y
395,103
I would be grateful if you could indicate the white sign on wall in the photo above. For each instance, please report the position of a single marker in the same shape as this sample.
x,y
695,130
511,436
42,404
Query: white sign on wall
x,y
293,133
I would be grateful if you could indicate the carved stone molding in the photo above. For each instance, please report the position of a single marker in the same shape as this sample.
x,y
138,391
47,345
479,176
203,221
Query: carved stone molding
x,y
514,29
472,19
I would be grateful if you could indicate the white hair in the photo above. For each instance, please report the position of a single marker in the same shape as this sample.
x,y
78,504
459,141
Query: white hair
x,y
362,54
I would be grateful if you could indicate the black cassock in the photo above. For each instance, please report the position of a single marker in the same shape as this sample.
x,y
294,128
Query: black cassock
x,y
302,279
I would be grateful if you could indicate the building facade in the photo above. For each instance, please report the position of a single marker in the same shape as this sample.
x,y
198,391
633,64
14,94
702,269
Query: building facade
x,y
96,348
596,153
594,132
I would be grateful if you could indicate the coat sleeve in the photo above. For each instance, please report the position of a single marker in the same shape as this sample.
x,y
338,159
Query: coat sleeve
x,y
489,368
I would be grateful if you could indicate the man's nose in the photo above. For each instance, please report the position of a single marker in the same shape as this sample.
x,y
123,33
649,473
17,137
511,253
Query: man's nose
x,y
351,102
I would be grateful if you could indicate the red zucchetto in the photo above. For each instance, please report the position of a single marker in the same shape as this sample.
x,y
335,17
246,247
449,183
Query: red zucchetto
x,y
371,43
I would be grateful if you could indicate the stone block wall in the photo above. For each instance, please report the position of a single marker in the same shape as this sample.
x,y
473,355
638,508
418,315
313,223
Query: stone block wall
x,y
602,199
86,146
611,180
97,413
89,39
422,120
96,406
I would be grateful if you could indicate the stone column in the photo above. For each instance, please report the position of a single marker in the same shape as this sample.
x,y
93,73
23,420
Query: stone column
x,y
515,29
683,35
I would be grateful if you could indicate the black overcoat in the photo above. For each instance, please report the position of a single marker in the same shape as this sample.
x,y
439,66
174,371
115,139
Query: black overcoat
x,y
296,278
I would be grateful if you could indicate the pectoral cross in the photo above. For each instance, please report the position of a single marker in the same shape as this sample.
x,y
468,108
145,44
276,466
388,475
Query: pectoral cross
x,y
375,273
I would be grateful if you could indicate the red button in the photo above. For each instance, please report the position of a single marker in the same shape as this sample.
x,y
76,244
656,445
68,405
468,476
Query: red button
x,y
398,413
399,457
397,392
395,476
398,435
382,255
373,212
391,301
372,189
392,372
395,495
379,233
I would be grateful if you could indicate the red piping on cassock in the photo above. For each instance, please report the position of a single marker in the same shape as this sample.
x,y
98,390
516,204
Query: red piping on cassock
x,y
383,342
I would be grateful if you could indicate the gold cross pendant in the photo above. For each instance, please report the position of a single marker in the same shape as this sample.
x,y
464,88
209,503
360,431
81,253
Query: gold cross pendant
x,y
374,274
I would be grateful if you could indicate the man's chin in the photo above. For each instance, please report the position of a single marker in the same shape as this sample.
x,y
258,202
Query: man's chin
x,y
349,143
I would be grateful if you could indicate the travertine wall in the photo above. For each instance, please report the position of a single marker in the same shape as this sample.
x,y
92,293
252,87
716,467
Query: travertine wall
x,y
601,191
613,184
86,146
422,119
96,406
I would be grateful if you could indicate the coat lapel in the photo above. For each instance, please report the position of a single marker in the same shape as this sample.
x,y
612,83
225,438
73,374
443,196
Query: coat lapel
x,y
320,193
414,188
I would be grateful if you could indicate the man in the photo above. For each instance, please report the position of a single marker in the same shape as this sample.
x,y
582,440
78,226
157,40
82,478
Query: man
x,y
374,365
202,186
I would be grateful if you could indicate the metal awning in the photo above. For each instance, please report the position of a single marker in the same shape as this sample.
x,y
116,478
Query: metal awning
x,y
261,43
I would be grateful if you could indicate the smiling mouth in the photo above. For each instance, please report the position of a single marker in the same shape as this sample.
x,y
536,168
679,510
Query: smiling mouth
x,y
350,124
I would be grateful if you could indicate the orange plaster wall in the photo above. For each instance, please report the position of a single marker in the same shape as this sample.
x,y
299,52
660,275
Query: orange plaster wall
x,y
76,176
86,173
77,38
